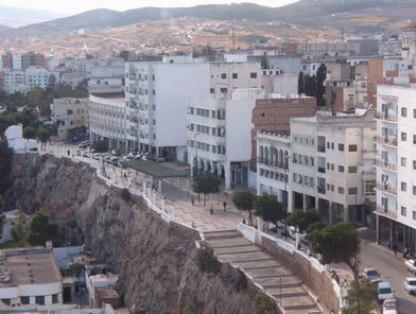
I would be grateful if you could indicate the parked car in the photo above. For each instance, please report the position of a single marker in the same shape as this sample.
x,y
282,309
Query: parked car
x,y
411,265
390,306
96,156
114,161
410,285
384,291
372,274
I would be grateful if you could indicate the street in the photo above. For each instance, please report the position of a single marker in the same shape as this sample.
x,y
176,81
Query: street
x,y
392,270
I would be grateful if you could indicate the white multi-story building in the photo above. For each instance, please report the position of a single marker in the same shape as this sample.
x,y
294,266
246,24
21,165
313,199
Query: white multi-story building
x,y
219,135
23,81
330,161
407,39
14,81
396,165
158,95
107,118
17,61
37,77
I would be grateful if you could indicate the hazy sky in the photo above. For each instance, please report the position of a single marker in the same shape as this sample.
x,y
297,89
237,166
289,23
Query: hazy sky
x,y
75,6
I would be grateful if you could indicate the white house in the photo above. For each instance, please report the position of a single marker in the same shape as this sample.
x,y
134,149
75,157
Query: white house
x,y
15,140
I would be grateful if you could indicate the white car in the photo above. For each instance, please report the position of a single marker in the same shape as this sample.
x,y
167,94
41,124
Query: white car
x,y
390,306
372,274
384,291
411,265
410,285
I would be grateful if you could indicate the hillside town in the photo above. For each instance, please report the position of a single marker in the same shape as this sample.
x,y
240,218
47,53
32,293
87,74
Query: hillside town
x,y
289,167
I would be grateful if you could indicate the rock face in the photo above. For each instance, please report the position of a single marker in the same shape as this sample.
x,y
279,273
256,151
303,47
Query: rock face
x,y
156,264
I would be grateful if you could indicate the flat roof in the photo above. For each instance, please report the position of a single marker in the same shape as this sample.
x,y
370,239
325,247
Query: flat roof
x,y
34,265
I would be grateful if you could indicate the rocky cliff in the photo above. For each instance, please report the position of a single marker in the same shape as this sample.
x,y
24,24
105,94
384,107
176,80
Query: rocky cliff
x,y
155,262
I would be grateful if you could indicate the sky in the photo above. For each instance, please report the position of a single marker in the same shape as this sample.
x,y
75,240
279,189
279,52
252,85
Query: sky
x,y
76,6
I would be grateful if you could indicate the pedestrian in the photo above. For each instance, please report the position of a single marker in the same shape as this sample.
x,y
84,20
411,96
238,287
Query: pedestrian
x,y
69,153
192,200
225,205
395,248
211,209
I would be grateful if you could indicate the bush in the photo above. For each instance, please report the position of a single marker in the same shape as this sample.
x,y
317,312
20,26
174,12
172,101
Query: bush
x,y
240,282
207,262
264,304
125,195
315,226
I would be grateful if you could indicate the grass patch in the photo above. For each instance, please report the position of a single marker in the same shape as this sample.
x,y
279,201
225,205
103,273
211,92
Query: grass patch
x,y
158,169
13,245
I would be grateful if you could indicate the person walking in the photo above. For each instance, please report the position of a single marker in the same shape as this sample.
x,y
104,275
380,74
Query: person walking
x,y
225,205
211,210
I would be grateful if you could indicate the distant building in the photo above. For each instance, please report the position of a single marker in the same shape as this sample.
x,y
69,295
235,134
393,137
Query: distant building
x,y
15,140
29,277
71,116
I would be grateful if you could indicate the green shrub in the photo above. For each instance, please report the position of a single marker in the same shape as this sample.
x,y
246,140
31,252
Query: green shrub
x,y
207,262
240,283
264,304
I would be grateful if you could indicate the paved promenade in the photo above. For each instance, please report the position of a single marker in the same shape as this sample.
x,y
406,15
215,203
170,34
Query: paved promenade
x,y
174,200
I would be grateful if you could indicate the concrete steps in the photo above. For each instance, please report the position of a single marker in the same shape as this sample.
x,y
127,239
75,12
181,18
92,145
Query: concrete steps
x,y
266,271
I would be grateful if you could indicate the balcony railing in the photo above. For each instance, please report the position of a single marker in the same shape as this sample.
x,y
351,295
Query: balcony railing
x,y
321,189
386,165
387,212
387,188
386,116
384,140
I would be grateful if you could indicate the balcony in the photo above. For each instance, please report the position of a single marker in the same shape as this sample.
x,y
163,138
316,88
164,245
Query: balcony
x,y
369,154
387,188
384,140
386,165
385,116
386,212
321,148
321,169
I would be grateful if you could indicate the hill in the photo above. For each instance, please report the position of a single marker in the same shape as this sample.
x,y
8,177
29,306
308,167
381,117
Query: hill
x,y
314,13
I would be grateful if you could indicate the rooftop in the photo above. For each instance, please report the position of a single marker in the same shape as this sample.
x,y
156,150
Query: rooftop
x,y
35,265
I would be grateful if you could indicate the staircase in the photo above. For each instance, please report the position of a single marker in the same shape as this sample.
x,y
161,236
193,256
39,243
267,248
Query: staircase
x,y
264,270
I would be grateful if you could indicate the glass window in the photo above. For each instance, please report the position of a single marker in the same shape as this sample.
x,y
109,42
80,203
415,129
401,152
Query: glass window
x,y
40,300
414,189
55,298
341,147
403,161
341,190
352,191
25,300
403,186
352,169
352,148
403,211
414,215
340,168
403,136
404,111
253,75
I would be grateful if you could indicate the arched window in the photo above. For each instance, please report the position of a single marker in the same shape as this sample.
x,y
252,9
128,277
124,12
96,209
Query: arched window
x,y
266,155
261,153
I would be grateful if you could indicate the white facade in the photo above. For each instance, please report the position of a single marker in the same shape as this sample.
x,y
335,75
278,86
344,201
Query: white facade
x,y
17,61
23,81
396,165
107,119
331,165
15,140
18,289
285,84
219,134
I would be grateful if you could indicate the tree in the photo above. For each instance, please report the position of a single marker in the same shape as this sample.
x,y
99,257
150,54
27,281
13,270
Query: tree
x,y
43,229
29,132
320,84
315,226
335,243
269,208
43,134
244,201
6,162
206,184
100,146
304,219
360,297
301,83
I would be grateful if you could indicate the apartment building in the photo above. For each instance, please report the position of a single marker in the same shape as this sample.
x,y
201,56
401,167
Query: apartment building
x,y
71,116
157,97
107,118
23,81
159,94
396,165
330,161
219,135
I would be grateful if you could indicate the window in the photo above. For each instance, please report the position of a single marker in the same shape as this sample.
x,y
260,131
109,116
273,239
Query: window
x,y
414,138
352,191
6,301
253,75
403,211
414,113
235,76
352,148
403,186
414,215
414,164
211,90
341,190
223,76
55,298
352,169
332,145
403,136
223,90
414,190
341,147
403,161
40,300
341,169
404,111
25,300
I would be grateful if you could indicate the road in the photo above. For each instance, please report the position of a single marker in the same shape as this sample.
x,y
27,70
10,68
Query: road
x,y
392,269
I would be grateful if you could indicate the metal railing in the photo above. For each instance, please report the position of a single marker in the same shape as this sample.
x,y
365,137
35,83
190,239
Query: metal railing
x,y
387,188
